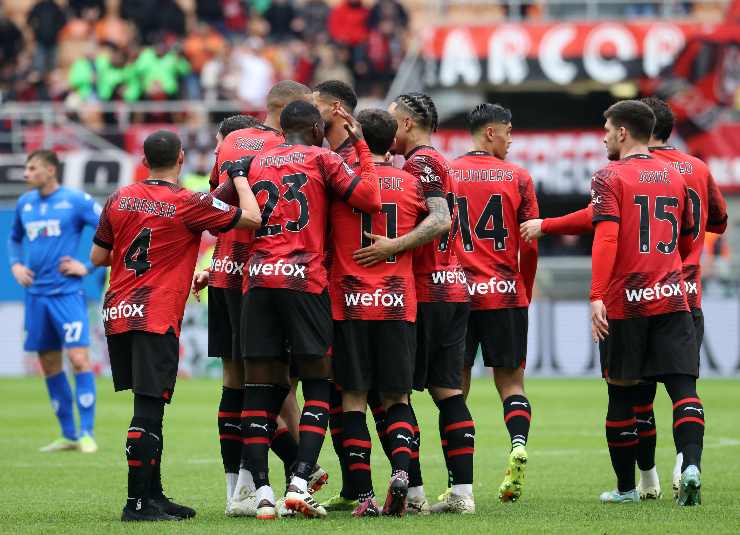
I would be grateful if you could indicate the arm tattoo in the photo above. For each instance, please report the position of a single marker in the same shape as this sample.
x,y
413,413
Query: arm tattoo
x,y
433,225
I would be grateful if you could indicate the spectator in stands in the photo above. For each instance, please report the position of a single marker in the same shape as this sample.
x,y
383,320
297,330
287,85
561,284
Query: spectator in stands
x,y
201,45
280,16
46,19
348,23
235,17
311,20
11,43
332,65
253,74
161,71
87,8
154,18
111,28
385,11
211,12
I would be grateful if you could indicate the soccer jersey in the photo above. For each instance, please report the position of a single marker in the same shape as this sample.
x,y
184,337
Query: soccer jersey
x,y
232,248
708,208
153,231
386,290
348,153
49,228
493,197
292,184
439,277
649,200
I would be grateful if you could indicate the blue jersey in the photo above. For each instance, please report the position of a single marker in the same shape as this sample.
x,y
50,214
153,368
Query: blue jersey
x,y
45,229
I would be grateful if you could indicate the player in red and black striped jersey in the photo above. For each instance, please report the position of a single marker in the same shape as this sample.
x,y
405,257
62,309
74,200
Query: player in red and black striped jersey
x,y
374,310
493,197
287,299
149,233
643,231
443,307
710,215
330,96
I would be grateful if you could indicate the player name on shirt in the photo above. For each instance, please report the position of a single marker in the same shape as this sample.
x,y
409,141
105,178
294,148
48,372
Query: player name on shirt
x,y
147,206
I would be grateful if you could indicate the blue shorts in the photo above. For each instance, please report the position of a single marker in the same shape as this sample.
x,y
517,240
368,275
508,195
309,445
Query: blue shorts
x,y
54,322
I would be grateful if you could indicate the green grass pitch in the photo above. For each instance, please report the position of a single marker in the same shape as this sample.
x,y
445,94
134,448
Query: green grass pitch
x,y
569,466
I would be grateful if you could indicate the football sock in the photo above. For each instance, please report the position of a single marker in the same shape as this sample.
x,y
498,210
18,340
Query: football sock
x,y
644,397
357,448
312,426
262,403
400,433
460,432
376,407
155,482
141,449
230,428
60,395
335,425
85,394
688,418
443,442
286,448
517,417
621,435
415,479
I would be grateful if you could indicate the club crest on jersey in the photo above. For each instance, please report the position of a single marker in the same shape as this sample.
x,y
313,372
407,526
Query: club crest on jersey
x,y
44,228
427,175
227,265
123,310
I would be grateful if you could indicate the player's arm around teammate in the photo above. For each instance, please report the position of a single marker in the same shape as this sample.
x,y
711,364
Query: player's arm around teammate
x,y
51,218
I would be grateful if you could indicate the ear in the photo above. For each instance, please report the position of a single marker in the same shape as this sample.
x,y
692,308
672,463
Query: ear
x,y
388,156
181,158
408,124
490,133
622,133
144,162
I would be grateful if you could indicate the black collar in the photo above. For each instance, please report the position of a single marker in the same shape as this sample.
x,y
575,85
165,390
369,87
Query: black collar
x,y
416,149
638,157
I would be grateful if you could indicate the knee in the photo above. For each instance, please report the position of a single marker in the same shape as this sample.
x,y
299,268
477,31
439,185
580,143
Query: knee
x,y
393,398
233,371
79,360
509,382
51,363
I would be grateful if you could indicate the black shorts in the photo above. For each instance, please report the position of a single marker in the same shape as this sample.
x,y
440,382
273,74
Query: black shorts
x,y
145,362
280,319
440,344
374,355
224,312
648,348
697,316
502,334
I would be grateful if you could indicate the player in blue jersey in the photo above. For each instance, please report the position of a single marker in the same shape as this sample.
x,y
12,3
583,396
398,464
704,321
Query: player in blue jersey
x,y
43,241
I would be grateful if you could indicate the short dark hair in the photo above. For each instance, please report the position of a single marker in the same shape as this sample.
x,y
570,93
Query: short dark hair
x,y
379,129
299,116
664,119
161,149
421,107
49,157
487,113
341,91
285,92
635,116
236,122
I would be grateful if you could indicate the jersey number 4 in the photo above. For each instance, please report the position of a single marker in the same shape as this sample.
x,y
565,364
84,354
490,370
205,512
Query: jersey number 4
x,y
294,182
137,255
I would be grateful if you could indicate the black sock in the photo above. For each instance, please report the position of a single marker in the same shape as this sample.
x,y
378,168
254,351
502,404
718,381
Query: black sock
x,y
443,442
376,406
621,435
517,417
286,448
415,479
644,397
357,448
460,432
155,482
230,428
262,403
335,425
312,427
688,418
400,433
141,449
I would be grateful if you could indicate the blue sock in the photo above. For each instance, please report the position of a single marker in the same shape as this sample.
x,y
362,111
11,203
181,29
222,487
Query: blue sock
x,y
85,383
60,394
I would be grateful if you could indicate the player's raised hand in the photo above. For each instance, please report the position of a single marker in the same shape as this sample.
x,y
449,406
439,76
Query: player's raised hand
x,y
352,127
531,230
200,281
23,275
381,249
599,323
71,267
